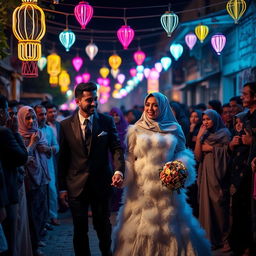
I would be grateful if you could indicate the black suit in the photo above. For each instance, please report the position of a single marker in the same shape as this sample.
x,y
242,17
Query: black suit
x,y
86,174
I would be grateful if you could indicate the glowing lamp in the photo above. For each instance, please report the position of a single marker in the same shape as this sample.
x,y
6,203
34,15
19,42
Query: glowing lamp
x,y
29,69
53,67
100,80
158,67
104,71
125,35
133,72
114,61
140,68
190,40
169,21
166,62
176,50
118,86
120,78
201,32
83,13
154,75
236,9
42,63
64,80
91,50
140,76
146,72
79,79
218,42
114,72
106,82
77,63
28,26
139,57
86,77
67,38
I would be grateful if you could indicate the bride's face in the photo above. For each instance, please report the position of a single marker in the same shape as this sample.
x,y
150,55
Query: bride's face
x,y
151,108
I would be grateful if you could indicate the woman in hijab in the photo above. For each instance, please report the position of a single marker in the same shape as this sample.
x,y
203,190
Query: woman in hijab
x,y
211,151
155,220
37,176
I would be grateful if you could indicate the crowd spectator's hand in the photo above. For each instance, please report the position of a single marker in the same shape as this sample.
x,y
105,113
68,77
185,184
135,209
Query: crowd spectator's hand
x,y
31,161
2,214
247,138
201,131
206,147
34,139
117,181
234,142
253,164
64,198
43,148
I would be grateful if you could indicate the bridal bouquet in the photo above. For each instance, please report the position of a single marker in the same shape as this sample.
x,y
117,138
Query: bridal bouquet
x,y
173,175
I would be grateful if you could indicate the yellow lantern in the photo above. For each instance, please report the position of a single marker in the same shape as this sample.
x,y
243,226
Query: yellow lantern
x,y
104,72
53,67
64,79
118,86
28,25
64,89
236,9
201,32
114,61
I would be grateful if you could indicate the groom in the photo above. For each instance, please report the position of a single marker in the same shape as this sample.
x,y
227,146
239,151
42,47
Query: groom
x,y
85,176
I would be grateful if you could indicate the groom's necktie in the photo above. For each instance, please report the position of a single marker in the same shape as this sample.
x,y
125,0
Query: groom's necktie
x,y
87,134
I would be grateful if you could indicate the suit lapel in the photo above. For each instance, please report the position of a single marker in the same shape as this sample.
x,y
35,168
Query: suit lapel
x,y
75,124
95,129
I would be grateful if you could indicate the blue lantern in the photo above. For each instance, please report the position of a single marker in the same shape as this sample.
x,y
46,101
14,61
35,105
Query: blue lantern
x,y
67,38
140,68
42,63
166,62
176,50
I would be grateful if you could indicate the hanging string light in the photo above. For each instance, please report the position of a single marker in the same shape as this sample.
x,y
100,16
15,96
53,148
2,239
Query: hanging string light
x,y
218,42
176,50
236,9
114,61
190,40
53,67
166,62
104,71
28,25
169,21
83,13
77,63
91,50
29,69
139,57
42,63
201,32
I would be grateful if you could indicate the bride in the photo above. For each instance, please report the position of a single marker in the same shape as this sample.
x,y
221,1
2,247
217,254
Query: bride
x,y
155,221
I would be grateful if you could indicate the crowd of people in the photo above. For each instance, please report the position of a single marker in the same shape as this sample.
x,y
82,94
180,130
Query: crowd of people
x,y
217,142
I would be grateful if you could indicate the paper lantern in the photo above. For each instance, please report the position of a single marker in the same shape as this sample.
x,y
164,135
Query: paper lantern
x,y
190,40
53,67
104,71
79,79
42,63
139,57
140,76
125,35
114,61
133,72
166,62
154,74
169,21
120,78
114,72
28,25
236,9
176,50
67,38
158,67
140,68
29,69
201,32
77,63
118,86
86,77
146,72
83,13
91,50
218,42
64,80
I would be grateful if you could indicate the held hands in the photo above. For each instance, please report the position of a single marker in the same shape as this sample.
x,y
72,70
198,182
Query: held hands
x,y
64,198
34,139
247,138
117,180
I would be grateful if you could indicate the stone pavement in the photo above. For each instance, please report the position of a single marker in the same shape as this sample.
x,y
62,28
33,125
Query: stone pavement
x,y
59,240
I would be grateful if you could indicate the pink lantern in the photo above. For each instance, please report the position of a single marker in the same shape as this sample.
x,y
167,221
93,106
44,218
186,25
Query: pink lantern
x,y
79,79
106,82
218,42
190,40
120,78
146,72
133,72
154,75
77,63
125,35
83,13
86,77
158,67
100,80
139,57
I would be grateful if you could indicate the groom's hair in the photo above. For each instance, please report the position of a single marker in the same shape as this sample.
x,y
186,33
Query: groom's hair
x,y
84,87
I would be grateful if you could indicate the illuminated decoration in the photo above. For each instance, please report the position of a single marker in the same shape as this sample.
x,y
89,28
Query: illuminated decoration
x,y
140,68
114,61
166,62
55,1
176,50
79,79
125,35
190,40
236,9
67,38
154,74
121,78
133,72
218,42
29,69
91,50
201,32
42,63
158,67
146,72
118,86
86,77
64,79
53,67
139,57
104,71
140,76
169,21
152,85
77,63
28,26
114,72
83,13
